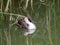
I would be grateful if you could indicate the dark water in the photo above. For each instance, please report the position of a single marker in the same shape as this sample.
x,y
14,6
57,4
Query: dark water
x,y
46,16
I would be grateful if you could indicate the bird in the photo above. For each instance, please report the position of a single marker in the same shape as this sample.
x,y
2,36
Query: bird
x,y
27,24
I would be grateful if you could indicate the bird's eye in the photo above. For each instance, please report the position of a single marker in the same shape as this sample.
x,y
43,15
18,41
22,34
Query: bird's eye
x,y
20,21
27,24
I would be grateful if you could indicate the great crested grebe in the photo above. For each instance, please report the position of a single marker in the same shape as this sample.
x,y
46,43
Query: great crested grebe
x,y
28,25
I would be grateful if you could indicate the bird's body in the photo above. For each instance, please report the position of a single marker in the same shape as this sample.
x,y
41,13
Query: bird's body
x,y
30,24
31,27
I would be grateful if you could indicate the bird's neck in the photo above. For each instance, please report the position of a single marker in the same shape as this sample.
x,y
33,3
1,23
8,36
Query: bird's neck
x,y
27,21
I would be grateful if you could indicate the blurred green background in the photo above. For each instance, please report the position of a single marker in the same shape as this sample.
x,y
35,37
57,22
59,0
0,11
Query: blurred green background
x,y
45,14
